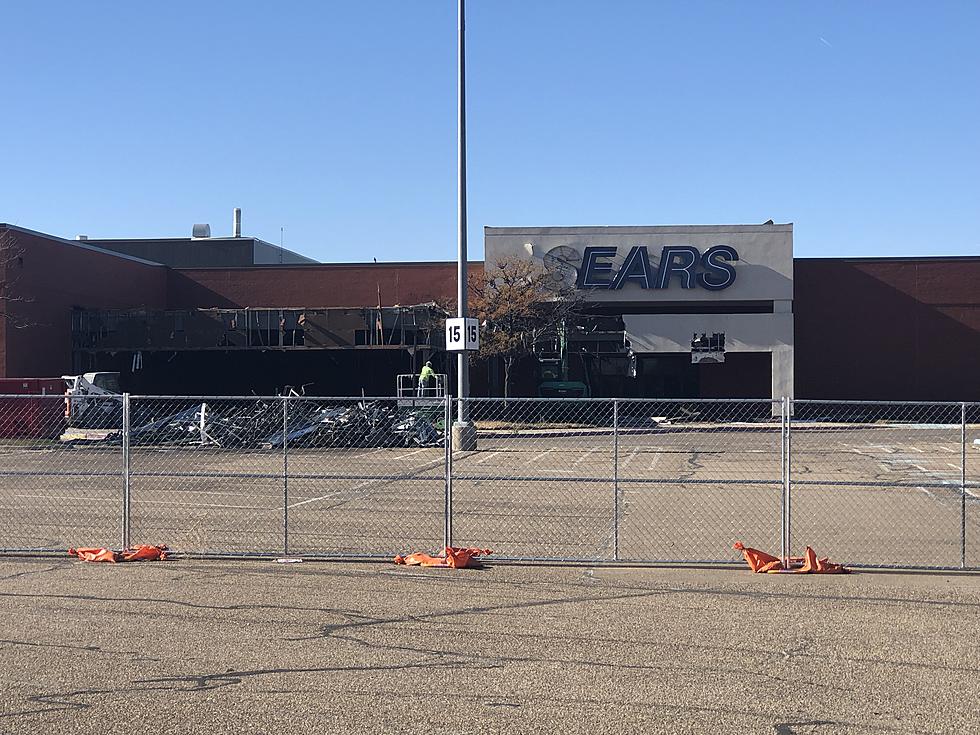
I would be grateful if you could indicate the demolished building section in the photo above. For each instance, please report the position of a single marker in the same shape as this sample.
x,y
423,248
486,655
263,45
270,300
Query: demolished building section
x,y
417,326
259,351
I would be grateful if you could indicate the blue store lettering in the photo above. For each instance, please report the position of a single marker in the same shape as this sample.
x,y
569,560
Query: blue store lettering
x,y
711,270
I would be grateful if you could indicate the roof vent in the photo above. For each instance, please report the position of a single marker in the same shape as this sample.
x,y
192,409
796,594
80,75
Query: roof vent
x,y
201,231
81,237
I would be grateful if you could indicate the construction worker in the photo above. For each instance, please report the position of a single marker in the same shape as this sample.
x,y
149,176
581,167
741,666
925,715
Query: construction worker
x,y
427,379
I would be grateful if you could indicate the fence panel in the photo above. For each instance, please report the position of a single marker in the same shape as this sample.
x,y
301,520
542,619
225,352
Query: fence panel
x,y
971,495
540,484
878,484
367,477
205,474
60,486
695,476
874,484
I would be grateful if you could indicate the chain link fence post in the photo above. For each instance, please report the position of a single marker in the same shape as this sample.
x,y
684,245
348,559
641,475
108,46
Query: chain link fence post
x,y
285,476
785,465
789,476
782,481
447,441
125,470
962,486
615,480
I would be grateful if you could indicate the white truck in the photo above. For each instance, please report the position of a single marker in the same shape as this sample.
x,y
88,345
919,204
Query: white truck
x,y
92,400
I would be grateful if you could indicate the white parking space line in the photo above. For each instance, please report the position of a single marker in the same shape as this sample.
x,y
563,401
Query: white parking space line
x,y
583,457
186,490
368,454
489,455
536,457
154,502
361,486
334,494
655,462
63,497
954,466
883,447
212,505
916,449
947,449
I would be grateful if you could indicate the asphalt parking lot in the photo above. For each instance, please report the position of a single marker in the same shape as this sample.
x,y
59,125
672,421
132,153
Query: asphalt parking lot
x,y
875,495
256,647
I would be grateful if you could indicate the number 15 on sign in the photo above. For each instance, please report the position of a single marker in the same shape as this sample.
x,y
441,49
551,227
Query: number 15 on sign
x,y
462,334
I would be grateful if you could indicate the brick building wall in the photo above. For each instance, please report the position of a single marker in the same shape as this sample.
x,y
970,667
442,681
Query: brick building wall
x,y
48,278
881,329
352,285
874,329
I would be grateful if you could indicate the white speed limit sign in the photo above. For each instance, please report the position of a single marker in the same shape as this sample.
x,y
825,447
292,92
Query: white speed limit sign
x,y
462,334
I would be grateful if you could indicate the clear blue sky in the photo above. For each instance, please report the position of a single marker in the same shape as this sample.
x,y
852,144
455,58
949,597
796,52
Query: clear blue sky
x,y
857,121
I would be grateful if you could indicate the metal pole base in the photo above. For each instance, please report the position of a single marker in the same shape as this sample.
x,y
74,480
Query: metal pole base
x,y
464,437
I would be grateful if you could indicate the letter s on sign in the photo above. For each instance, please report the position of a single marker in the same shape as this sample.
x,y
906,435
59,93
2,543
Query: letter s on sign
x,y
717,273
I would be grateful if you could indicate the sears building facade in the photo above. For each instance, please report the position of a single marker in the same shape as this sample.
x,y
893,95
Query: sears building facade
x,y
701,310
681,311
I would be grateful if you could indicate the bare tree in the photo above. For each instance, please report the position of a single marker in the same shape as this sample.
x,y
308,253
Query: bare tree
x,y
11,262
519,304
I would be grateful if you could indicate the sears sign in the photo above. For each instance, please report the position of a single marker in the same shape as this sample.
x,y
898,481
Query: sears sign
x,y
683,264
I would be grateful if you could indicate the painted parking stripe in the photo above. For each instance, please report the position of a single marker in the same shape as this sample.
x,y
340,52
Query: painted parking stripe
x,y
536,457
375,481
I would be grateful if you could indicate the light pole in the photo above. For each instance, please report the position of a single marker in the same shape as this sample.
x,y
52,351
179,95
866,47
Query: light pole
x,y
464,434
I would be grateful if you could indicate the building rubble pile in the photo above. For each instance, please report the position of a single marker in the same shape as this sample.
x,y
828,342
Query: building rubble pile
x,y
260,425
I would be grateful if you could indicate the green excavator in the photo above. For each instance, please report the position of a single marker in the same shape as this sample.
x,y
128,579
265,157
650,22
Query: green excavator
x,y
554,374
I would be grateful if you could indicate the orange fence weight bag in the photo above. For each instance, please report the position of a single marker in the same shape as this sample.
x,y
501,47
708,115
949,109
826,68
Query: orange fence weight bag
x,y
452,557
145,552
763,563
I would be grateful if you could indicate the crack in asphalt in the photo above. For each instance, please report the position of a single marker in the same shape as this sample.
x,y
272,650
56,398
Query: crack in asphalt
x,y
762,595
788,728
355,625
136,655
32,572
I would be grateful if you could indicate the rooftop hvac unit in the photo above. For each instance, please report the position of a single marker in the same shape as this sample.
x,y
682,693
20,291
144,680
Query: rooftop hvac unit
x,y
201,231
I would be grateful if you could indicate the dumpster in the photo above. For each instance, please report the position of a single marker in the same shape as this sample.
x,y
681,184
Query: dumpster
x,y
28,412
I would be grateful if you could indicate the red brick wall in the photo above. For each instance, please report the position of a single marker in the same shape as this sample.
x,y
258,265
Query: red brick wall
x,y
313,285
3,306
865,329
884,329
54,277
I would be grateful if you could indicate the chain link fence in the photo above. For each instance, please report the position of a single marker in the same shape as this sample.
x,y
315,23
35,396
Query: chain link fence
x,y
540,484
598,480
696,475
55,493
881,483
